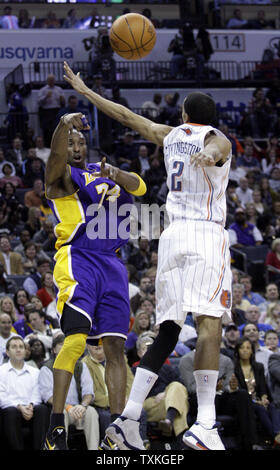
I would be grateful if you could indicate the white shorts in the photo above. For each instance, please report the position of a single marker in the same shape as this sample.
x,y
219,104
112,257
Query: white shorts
x,y
193,273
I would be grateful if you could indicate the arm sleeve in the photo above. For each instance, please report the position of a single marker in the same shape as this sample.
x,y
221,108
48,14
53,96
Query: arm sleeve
x,y
142,188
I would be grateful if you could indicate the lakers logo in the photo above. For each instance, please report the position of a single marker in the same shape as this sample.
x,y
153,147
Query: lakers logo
x,y
225,298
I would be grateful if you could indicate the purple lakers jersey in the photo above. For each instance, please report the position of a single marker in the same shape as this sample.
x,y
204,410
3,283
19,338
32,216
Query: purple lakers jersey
x,y
96,216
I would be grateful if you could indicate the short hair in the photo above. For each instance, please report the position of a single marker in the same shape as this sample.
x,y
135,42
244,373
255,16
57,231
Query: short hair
x,y
200,108
270,331
13,338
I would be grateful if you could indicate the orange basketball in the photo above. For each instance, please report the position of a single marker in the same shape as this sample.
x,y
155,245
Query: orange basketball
x,y
132,36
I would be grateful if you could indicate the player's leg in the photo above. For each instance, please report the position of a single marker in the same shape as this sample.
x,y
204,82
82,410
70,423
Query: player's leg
x,y
115,373
203,434
76,328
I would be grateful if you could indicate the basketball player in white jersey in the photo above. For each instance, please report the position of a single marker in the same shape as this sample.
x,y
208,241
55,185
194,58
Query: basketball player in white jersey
x,y
193,260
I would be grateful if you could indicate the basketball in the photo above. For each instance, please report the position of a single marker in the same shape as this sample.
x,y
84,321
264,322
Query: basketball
x,y
132,36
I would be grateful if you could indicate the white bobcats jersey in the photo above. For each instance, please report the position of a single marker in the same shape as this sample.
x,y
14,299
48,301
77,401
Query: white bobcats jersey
x,y
194,193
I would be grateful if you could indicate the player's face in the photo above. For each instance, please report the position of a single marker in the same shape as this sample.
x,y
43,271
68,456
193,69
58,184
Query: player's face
x,y
77,150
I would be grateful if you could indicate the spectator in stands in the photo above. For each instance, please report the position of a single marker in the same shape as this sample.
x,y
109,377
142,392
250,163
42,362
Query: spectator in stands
x,y
20,399
35,171
12,261
247,161
21,298
32,253
37,353
141,323
242,233
50,312
253,297
167,402
33,198
262,354
95,361
24,21
229,340
148,14
24,236
47,292
181,46
252,315
271,341
269,162
261,22
140,256
5,334
126,151
7,306
22,327
33,223
232,202
237,148
251,377
50,100
271,293
71,20
42,152
243,192
251,213
8,20
272,317
236,172
262,114
274,179
51,21
170,112
118,128
41,328
101,54
33,282
236,21
238,299
151,108
79,398
72,107
141,164
273,141
16,154
17,118
268,195
154,177
25,166
257,201
9,197
9,176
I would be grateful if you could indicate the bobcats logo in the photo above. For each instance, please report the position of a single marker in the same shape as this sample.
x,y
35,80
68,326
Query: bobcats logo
x,y
225,299
188,131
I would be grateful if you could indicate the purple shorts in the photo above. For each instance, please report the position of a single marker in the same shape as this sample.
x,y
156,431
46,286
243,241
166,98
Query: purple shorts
x,y
94,284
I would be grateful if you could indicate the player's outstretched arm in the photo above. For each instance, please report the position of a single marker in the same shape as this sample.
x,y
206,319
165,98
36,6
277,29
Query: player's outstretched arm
x,y
217,149
57,161
148,129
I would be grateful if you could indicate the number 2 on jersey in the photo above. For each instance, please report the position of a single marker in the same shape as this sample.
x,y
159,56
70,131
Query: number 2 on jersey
x,y
176,185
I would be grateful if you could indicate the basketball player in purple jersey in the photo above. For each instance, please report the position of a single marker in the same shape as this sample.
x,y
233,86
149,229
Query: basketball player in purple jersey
x,y
193,273
91,281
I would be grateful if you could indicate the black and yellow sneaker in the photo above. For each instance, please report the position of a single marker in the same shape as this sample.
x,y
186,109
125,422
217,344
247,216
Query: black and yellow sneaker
x,y
107,444
56,440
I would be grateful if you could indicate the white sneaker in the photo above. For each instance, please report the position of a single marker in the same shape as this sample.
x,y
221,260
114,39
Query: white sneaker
x,y
200,438
125,433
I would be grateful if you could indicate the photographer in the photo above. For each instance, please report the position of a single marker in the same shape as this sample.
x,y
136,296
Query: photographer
x,y
101,54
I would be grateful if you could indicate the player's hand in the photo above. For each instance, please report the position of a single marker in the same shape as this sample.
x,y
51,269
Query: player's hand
x,y
202,159
107,171
74,79
77,120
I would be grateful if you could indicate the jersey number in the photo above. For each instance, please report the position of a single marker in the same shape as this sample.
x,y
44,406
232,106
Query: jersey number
x,y
112,194
176,185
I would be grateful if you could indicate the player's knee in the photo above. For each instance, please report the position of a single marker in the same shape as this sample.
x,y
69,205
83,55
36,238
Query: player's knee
x,y
209,329
113,347
72,349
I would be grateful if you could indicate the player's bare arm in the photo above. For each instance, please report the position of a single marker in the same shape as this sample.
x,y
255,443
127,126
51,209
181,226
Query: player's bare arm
x,y
216,150
148,129
129,181
56,173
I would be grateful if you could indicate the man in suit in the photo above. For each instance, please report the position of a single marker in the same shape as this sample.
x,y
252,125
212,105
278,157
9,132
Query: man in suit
x,y
274,372
12,261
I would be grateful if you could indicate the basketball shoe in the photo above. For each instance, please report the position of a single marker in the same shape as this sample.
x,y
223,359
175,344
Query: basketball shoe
x,y
200,438
56,440
107,444
125,433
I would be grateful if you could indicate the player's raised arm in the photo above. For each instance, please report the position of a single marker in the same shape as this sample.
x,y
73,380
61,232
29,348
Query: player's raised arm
x,y
148,129
57,161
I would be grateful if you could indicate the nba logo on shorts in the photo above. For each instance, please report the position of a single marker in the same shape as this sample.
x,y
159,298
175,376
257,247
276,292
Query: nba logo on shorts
x,y
225,299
